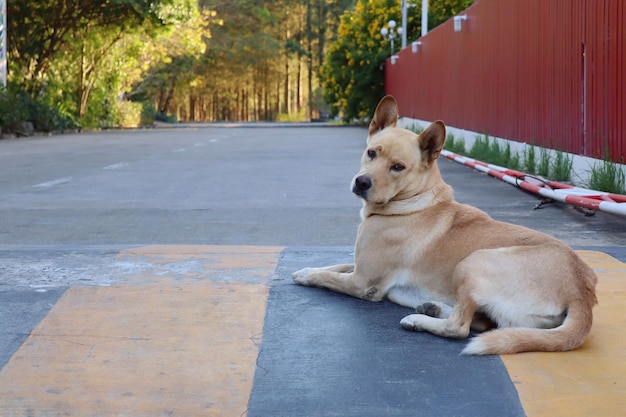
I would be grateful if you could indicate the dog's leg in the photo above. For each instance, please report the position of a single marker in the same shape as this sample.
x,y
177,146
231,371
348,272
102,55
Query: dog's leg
x,y
458,324
339,278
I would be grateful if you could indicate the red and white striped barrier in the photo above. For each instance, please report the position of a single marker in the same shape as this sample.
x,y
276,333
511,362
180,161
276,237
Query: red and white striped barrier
x,y
565,193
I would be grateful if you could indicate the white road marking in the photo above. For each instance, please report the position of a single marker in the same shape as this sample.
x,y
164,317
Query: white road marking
x,y
116,166
52,183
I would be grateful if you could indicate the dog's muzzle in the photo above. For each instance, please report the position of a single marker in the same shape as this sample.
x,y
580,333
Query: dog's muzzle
x,y
362,184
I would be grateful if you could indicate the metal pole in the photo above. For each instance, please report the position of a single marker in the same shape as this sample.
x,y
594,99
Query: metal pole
x,y
404,7
424,17
3,42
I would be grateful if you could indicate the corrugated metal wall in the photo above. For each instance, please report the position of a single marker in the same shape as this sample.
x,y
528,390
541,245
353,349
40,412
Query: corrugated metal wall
x,y
548,72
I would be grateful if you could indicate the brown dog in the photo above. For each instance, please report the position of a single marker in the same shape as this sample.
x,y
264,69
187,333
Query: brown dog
x,y
456,265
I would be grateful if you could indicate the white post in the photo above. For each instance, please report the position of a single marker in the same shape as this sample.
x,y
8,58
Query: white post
x,y
404,8
3,42
424,17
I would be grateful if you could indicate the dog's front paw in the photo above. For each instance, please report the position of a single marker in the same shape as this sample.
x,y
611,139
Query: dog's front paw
x,y
302,277
412,322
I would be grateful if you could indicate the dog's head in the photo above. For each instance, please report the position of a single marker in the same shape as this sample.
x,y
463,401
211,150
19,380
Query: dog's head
x,y
397,163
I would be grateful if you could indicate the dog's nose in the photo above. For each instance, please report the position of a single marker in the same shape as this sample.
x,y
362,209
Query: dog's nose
x,y
362,183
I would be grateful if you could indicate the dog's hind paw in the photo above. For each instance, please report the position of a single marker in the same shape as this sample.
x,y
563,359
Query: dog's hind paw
x,y
429,309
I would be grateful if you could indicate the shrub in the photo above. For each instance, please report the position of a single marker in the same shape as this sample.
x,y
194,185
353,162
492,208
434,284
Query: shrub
x,y
607,176
530,163
561,166
128,113
17,107
544,162
167,118
454,145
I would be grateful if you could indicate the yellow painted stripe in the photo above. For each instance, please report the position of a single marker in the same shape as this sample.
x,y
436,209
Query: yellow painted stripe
x,y
156,345
590,381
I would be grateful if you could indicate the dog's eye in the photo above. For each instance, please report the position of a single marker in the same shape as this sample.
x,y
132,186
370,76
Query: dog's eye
x,y
371,153
397,167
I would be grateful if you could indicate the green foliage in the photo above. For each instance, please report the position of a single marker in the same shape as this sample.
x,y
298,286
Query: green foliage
x,y
293,117
199,60
454,145
41,30
607,176
352,74
491,151
17,107
75,60
13,109
557,168
561,166
543,168
530,162
167,118
441,10
416,128
129,114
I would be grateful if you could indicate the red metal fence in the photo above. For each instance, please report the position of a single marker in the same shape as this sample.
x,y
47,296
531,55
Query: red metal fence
x,y
547,72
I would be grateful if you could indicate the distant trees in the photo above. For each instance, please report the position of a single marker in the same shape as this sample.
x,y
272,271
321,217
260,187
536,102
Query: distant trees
x,y
100,63
69,56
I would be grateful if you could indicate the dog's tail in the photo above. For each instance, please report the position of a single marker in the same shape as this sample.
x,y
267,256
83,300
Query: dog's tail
x,y
569,335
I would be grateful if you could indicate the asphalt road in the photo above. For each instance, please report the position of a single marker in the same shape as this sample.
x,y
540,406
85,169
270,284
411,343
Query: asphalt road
x,y
66,199
69,204
268,186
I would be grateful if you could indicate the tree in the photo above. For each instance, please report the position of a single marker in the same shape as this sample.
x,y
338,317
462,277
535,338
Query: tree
x,y
38,30
352,74
167,59
196,59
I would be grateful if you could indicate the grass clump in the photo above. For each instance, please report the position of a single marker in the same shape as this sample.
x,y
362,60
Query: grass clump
x,y
454,145
543,168
415,128
607,176
561,166
530,162
491,151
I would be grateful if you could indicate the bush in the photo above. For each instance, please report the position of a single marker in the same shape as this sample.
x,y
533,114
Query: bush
x,y
13,111
607,176
148,113
454,145
561,166
17,107
530,163
167,118
491,151
128,113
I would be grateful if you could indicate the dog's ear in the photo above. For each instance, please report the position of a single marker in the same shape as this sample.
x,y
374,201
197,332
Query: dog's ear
x,y
386,115
432,139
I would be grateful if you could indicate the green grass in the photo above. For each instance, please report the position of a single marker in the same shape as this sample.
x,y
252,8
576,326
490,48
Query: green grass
x,y
607,176
491,151
415,128
530,160
558,167
543,168
561,167
454,145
